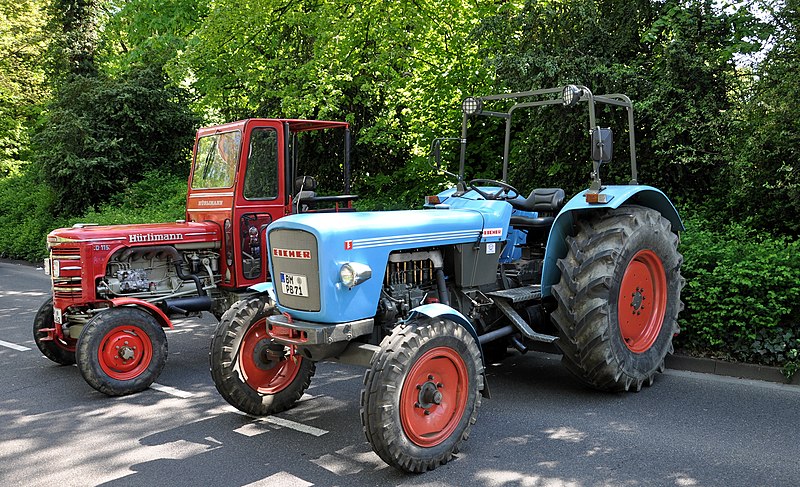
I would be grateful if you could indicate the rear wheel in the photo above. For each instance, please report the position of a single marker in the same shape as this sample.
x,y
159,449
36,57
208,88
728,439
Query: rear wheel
x,y
251,371
619,298
121,351
421,394
60,351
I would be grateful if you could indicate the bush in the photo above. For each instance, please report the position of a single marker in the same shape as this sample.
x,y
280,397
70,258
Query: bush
x,y
741,294
100,134
24,217
25,202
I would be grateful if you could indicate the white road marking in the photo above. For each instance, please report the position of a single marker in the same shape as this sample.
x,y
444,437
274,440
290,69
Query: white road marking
x,y
171,390
251,429
287,423
13,346
23,293
281,479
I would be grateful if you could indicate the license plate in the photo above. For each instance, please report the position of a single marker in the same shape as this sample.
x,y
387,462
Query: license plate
x,y
294,284
57,315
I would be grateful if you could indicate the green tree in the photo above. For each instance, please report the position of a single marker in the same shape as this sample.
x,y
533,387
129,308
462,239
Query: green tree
x,y
102,134
674,59
396,70
23,40
765,175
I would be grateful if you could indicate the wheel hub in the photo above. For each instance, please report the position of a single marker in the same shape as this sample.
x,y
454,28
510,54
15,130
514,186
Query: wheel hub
x,y
429,395
636,302
126,353
267,355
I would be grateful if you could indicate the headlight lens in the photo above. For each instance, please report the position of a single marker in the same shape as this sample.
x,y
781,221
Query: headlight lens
x,y
571,95
472,106
352,274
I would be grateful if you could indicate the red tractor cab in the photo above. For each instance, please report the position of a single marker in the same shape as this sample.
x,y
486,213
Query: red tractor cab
x,y
116,287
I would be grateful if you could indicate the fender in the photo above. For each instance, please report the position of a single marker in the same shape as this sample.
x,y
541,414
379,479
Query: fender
x,y
647,196
439,310
265,287
154,310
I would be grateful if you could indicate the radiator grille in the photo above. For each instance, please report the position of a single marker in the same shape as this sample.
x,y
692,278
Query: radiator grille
x,y
294,253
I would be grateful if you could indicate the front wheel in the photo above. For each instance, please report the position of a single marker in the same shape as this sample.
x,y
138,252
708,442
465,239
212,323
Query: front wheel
x,y
60,351
619,298
421,394
251,371
121,351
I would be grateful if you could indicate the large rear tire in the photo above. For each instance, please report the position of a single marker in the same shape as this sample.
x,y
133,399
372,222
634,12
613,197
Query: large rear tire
x,y
121,351
58,350
251,371
619,298
421,394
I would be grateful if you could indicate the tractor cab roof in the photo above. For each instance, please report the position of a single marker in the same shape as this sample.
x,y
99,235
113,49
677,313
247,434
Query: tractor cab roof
x,y
295,125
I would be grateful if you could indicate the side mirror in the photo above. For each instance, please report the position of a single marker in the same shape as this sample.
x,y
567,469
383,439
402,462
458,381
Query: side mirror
x,y
602,145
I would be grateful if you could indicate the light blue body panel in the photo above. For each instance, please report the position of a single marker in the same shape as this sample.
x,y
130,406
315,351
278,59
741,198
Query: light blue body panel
x,y
618,195
265,287
369,237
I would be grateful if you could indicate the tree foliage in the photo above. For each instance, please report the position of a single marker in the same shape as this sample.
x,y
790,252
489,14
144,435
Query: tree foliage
x,y
23,41
764,171
102,134
396,71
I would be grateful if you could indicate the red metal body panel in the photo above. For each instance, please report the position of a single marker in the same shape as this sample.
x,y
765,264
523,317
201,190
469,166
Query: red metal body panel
x,y
83,253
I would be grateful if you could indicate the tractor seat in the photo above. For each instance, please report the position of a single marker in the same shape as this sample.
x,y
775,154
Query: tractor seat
x,y
542,200
546,202
305,188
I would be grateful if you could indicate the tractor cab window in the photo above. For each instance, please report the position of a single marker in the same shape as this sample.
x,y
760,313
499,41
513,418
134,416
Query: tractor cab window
x,y
261,176
215,162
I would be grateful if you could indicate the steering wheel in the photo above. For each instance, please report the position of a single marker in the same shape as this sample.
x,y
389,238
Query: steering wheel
x,y
510,191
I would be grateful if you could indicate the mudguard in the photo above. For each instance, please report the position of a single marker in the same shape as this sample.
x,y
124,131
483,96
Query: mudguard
x,y
264,287
646,196
439,310
151,308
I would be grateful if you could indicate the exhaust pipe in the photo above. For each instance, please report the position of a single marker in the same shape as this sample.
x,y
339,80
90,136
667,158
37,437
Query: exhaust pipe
x,y
190,304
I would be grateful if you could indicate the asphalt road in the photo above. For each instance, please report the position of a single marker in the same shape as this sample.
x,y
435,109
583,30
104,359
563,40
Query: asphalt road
x,y
541,428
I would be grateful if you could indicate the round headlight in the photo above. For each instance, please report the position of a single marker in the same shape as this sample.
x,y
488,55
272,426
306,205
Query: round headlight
x,y
353,273
347,275
571,95
472,106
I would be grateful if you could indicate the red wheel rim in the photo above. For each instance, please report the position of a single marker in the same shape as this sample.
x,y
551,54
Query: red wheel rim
x,y
434,397
262,373
642,301
125,352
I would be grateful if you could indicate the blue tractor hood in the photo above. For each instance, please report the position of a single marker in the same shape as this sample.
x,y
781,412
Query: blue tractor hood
x,y
369,237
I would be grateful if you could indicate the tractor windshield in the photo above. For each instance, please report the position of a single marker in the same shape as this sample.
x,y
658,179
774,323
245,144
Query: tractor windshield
x,y
215,161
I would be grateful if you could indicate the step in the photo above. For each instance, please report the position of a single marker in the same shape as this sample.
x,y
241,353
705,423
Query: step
x,y
519,294
521,324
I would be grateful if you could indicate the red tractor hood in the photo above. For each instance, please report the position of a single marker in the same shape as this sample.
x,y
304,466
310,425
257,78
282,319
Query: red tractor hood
x,y
152,234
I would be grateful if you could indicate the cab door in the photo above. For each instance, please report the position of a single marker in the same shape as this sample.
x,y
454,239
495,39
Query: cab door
x,y
259,199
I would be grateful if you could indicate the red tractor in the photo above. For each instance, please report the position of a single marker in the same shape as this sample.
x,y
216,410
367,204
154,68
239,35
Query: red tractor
x,y
116,287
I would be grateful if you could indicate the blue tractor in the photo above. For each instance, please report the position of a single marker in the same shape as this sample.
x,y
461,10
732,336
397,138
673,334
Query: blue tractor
x,y
425,298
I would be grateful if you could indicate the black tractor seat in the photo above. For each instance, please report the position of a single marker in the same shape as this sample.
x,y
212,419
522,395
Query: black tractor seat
x,y
546,202
542,200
